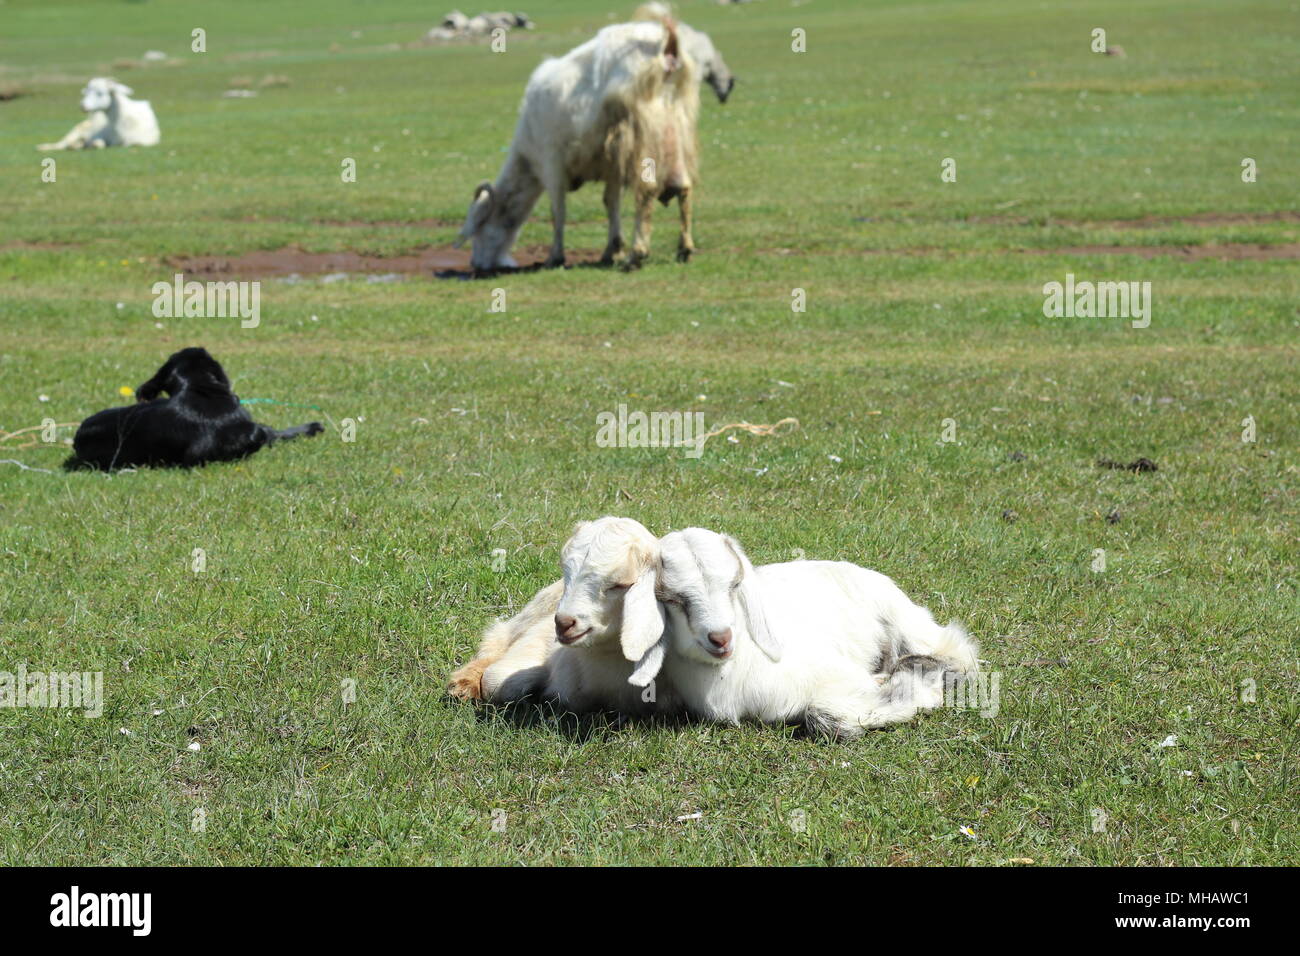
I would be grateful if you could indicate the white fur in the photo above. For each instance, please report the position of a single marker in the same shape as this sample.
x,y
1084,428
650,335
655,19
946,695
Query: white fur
x,y
817,642
114,119
608,593
593,114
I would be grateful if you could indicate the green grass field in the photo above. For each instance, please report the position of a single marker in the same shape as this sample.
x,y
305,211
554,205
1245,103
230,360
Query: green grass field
x,y
371,561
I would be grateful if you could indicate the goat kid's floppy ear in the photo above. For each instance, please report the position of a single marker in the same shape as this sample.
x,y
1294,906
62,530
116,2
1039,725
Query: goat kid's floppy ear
x,y
643,620
647,669
751,605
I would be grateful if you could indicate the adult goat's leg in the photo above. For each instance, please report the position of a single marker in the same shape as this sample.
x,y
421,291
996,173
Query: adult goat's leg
x,y
556,258
613,195
685,242
645,201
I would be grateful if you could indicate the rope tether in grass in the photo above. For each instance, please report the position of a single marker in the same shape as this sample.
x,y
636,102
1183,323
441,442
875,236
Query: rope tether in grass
x,y
272,401
33,442
761,430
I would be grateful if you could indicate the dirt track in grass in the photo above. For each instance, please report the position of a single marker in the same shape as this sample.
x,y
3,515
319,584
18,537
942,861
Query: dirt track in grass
x,y
440,261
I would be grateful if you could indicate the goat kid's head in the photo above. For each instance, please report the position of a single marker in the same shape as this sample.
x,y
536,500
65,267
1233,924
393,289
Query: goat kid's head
x,y
189,368
709,590
609,590
490,231
99,92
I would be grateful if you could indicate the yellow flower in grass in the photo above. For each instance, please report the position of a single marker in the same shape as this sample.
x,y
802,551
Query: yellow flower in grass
x,y
126,391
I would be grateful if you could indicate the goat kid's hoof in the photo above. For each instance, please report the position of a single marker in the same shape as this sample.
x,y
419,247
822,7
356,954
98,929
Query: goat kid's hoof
x,y
632,263
466,688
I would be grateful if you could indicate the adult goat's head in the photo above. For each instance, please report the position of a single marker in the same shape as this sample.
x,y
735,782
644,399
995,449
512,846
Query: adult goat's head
x,y
609,590
99,92
710,592
490,229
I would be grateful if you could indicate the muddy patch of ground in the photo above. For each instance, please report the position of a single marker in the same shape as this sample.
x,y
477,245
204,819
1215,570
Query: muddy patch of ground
x,y
1252,251
441,261
1144,222
365,224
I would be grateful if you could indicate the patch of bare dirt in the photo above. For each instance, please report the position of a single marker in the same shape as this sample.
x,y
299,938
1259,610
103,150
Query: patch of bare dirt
x,y
1253,251
440,261
1146,222
366,223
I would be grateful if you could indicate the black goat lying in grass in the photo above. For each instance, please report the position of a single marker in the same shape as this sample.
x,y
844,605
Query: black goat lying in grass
x,y
201,421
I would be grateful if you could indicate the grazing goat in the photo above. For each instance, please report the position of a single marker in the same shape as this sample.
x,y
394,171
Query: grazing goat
x,y
619,109
827,644
710,67
114,119
201,421
576,640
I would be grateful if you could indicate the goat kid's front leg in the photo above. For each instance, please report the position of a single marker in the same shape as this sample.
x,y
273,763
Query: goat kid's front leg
x,y
556,259
613,196
297,431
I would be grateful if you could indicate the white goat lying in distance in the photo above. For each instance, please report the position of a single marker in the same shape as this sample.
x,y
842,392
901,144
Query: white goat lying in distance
x,y
619,109
828,644
575,640
114,119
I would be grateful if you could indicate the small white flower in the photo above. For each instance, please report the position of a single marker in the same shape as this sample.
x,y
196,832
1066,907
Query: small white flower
x,y
194,747
1170,741
42,398
124,731
835,458
967,831
121,306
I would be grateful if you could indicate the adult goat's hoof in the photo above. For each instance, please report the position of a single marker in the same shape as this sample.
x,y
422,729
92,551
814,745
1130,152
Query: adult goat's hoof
x,y
553,262
684,254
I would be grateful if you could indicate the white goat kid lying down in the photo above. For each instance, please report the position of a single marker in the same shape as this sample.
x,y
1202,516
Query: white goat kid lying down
x,y
828,644
575,640
114,119
619,109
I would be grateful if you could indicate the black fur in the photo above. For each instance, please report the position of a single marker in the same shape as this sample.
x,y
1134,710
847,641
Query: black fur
x,y
200,421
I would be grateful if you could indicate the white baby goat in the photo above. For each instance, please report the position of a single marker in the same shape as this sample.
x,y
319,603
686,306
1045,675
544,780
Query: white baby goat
x,y
619,109
114,119
828,644
576,640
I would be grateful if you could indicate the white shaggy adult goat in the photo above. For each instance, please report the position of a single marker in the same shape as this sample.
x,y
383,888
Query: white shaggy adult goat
x,y
619,109
575,641
114,119
828,644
